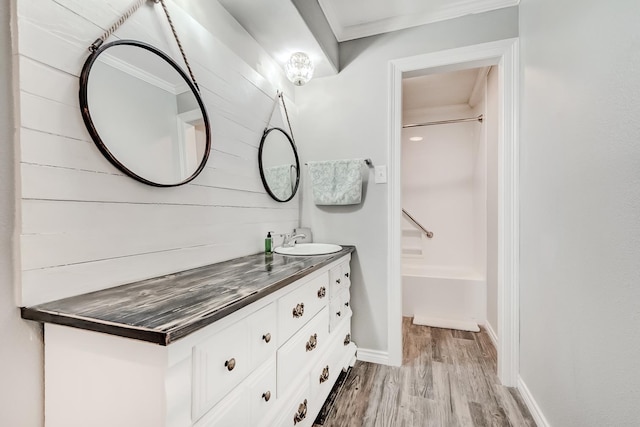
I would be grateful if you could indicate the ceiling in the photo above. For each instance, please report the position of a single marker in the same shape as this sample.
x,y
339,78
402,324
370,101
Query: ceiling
x,y
279,27
354,19
438,90
283,27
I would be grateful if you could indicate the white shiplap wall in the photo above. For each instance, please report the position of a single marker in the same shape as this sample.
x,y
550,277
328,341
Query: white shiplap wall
x,y
85,226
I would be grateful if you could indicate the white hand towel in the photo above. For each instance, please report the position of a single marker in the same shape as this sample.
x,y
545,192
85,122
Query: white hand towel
x,y
336,182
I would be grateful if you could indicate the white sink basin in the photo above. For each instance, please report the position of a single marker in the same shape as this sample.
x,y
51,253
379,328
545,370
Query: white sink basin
x,y
308,249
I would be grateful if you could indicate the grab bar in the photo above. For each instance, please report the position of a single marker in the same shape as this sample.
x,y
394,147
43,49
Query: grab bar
x,y
427,233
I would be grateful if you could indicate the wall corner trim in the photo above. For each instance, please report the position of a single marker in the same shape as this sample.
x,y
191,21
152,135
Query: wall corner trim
x,y
532,405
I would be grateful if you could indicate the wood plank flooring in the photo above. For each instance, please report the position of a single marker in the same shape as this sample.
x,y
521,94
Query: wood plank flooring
x,y
447,378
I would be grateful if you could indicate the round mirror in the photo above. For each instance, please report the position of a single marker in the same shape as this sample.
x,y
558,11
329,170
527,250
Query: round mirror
x,y
144,113
279,165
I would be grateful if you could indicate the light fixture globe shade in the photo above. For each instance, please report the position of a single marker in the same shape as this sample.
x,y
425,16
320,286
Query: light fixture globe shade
x,y
299,68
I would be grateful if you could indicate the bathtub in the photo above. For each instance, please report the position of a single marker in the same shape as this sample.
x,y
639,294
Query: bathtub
x,y
444,297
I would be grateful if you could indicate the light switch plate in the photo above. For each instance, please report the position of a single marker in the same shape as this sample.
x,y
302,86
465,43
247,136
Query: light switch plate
x,y
381,174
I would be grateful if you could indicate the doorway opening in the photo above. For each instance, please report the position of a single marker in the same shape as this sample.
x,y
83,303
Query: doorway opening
x,y
487,264
449,204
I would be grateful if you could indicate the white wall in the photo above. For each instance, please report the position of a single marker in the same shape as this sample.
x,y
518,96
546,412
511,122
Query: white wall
x,y
83,225
492,124
480,188
439,184
580,210
21,352
346,116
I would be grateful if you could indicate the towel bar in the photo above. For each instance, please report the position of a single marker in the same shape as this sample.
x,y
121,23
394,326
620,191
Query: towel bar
x,y
368,162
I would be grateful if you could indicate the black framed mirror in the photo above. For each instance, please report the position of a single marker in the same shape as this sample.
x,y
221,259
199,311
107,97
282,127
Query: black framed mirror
x,y
144,113
279,164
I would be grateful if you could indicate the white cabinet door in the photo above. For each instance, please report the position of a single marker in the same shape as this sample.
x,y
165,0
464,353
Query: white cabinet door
x,y
263,331
230,412
261,392
219,364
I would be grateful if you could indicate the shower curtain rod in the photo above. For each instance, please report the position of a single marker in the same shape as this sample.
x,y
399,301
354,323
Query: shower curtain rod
x,y
480,118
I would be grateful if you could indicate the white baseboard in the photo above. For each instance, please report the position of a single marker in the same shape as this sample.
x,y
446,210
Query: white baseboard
x,y
492,334
373,356
531,403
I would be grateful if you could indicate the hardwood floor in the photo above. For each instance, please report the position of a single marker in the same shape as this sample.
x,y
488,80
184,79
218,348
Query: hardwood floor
x,y
447,378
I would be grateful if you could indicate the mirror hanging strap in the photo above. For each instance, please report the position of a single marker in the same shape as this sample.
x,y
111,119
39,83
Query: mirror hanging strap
x,y
286,114
175,35
96,44
280,97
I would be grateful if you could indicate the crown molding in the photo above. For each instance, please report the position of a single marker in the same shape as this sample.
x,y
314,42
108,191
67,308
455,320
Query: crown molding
x,y
453,10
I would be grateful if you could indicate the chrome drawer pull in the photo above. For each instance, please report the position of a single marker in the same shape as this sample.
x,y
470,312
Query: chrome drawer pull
x,y
312,343
347,339
298,311
266,396
302,413
322,292
325,374
230,364
266,337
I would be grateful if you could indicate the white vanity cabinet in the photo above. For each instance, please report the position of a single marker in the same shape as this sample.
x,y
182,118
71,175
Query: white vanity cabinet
x,y
270,363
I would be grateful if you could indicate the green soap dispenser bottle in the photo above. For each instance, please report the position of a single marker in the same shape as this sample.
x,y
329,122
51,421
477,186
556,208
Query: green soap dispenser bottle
x,y
268,244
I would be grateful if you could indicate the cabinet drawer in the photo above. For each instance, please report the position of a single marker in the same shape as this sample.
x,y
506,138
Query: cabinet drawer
x,y
297,307
340,308
335,280
346,275
339,278
261,391
323,376
263,334
341,341
219,364
295,358
232,411
297,413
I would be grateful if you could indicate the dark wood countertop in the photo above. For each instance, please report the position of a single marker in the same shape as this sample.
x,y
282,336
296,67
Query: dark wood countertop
x,y
164,309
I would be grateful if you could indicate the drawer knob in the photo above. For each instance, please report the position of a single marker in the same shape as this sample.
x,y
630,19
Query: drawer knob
x,y
338,281
266,396
338,313
298,311
322,292
230,364
301,414
266,337
346,275
325,374
346,304
347,339
313,342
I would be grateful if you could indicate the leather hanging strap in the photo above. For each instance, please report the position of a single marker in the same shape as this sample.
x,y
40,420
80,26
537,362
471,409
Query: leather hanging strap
x,y
280,98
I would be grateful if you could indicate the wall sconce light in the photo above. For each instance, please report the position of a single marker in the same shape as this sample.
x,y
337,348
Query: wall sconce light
x,y
299,68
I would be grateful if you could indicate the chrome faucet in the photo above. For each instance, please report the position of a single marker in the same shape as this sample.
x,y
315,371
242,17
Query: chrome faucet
x,y
289,240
